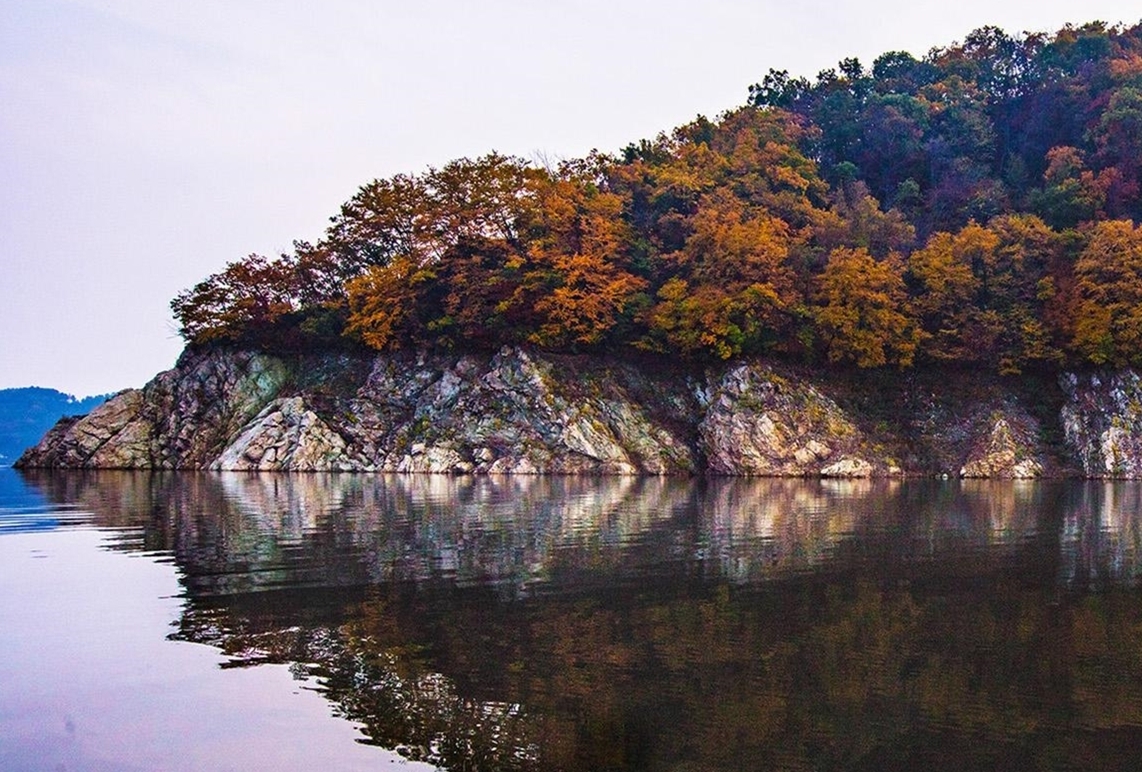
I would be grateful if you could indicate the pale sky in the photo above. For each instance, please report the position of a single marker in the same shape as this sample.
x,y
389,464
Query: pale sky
x,y
146,143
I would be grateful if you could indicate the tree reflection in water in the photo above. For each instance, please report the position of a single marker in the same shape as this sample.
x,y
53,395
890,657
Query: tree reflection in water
x,y
621,623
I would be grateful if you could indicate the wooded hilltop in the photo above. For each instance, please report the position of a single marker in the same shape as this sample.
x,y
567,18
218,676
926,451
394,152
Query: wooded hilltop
x,y
975,206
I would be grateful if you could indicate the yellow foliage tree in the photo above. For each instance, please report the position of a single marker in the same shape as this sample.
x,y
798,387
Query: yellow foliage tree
x,y
383,303
862,311
1108,306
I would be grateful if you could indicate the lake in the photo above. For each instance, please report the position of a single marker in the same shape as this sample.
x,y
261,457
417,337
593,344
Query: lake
x,y
184,621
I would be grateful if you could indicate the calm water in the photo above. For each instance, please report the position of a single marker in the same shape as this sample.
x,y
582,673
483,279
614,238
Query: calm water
x,y
193,621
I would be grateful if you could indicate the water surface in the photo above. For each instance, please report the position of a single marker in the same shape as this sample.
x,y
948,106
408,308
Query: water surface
x,y
353,621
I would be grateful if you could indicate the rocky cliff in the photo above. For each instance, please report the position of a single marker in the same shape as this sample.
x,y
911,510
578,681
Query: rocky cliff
x,y
518,411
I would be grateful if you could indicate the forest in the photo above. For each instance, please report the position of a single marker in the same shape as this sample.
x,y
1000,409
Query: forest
x,y
974,207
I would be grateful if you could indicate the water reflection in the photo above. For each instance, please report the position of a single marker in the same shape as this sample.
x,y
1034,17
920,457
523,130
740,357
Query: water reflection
x,y
621,623
240,532
1102,536
23,509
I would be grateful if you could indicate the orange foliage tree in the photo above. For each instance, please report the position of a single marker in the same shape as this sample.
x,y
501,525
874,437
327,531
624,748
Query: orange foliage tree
x,y
436,250
734,290
981,293
576,274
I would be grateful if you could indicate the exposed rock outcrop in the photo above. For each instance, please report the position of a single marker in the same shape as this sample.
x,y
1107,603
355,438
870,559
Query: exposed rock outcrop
x,y
183,419
1102,420
515,412
508,412
757,422
519,411
1009,449
286,434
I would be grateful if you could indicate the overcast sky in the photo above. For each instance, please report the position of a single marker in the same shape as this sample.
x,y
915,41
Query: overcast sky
x,y
146,143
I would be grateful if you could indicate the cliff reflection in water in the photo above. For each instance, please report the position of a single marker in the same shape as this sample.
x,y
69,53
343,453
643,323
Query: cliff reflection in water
x,y
626,623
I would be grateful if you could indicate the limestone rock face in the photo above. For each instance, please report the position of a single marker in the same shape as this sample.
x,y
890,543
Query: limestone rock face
x,y
1102,422
522,412
760,423
1009,452
848,467
205,401
287,434
518,413
111,436
180,420
508,412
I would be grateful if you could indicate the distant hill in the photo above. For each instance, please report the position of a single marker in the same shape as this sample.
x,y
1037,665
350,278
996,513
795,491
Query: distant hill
x,y
25,414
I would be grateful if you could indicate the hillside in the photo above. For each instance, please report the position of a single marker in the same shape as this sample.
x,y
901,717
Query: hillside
x,y
923,266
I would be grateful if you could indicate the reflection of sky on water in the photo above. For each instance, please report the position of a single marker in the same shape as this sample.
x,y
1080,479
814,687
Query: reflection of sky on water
x,y
91,681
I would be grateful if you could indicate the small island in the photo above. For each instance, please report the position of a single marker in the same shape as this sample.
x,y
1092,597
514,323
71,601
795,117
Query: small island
x,y
926,266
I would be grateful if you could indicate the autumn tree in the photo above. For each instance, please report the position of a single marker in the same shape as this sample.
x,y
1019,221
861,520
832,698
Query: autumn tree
x,y
575,279
423,239
240,303
856,219
707,321
384,303
734,291
946,289
980,293
421,217
730,203
477,286
1020,286
1118,137
862,311
1108,305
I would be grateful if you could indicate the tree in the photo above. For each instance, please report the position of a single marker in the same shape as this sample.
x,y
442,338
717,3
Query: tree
x,y
384,303
1108,305
1118,136
856,220
238,304
421,217
1020,285
575,277
440,251
862,311
1071,192
384,220
734,263
981,292
777,89
946,289
707,321
478,282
